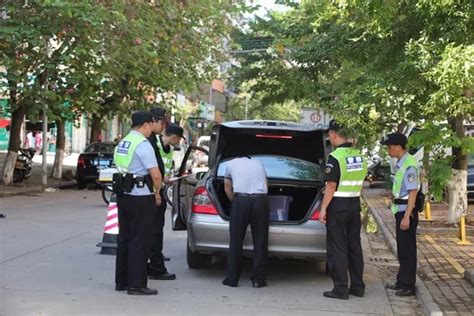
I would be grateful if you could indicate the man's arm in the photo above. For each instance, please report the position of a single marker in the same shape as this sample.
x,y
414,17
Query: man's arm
x,y
229,191
328,195
156,178
405,223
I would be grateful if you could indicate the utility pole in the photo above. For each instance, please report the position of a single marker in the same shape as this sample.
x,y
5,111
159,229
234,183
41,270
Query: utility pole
x,y
44,162
246,106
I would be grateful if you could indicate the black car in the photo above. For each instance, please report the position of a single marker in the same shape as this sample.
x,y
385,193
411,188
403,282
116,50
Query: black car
x,y
95,156
470,183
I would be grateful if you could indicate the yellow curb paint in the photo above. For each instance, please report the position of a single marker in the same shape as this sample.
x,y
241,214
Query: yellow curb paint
x,y
450,259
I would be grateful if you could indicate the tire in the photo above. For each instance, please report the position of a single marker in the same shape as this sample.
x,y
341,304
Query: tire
x,y
106,194
168,193
18,175
196,260
81,184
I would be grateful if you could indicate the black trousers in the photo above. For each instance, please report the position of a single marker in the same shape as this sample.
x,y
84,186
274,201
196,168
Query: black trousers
x,y
157,264
133,242
406,251
344,250
247,210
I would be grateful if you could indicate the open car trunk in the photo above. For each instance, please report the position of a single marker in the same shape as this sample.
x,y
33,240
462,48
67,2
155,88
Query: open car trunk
x,y
302,199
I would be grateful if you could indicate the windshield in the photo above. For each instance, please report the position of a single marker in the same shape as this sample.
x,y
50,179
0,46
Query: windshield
x,y
279,167
102,147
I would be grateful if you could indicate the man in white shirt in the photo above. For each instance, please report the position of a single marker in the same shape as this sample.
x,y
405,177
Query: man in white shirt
x,y
245,185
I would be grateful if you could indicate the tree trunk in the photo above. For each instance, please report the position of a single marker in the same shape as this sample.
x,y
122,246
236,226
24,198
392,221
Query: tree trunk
x,y
95,129
18,116
57,172
457,186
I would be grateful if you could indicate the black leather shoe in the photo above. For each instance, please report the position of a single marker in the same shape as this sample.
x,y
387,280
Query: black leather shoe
x,y
228,283
332,294
357,292
392,287
120,287
402,292
260,283
165,258
141,291
164,276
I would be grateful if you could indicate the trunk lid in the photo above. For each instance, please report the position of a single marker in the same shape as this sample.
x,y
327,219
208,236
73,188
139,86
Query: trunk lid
x,y
241,138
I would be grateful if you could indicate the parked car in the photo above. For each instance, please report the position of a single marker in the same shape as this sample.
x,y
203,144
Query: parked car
x,y
470,183
293,156
200,159
95,156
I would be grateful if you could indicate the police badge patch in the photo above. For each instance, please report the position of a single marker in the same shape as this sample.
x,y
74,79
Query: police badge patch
x,y
411,177
328,168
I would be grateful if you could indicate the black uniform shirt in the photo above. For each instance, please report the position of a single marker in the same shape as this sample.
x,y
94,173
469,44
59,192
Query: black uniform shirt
x,y
332,173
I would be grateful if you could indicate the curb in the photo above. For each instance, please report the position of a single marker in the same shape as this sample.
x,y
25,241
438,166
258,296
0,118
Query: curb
x,y
430,307
469,275
39,189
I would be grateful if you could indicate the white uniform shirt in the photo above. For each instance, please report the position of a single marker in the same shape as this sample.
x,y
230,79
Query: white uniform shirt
x,y
248,176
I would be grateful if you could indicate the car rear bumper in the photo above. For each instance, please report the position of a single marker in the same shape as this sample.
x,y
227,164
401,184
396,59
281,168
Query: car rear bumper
x,y
470,194
210,234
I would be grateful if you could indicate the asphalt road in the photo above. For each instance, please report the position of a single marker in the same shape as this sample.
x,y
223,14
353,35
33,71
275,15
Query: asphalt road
x,y
50,265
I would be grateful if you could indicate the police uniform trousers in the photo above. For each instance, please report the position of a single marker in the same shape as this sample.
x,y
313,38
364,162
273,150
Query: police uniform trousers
x,y
133,242
406,251
254,210
157,264
344,250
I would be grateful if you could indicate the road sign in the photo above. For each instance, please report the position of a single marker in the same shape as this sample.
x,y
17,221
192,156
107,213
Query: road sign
x,y
315,117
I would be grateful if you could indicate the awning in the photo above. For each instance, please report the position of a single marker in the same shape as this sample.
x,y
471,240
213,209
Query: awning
x,y
4,122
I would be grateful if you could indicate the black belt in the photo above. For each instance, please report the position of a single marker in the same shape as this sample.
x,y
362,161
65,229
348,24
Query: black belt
x,y
400,202
251,194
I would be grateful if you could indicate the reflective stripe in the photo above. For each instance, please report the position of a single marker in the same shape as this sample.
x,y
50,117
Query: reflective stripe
x,y
350,183
346,194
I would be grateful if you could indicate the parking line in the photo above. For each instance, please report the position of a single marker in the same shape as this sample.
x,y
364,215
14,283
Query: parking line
x,y
450,259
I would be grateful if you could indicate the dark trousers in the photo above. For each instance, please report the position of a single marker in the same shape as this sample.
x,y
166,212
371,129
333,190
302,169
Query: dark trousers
x,y
157,264
406,251
245,210
344,251
133,242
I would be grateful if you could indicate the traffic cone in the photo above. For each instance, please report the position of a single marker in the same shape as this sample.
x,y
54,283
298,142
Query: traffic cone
x,y
111,229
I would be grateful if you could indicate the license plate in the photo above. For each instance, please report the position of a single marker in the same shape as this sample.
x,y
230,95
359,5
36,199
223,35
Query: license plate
x,y
101,163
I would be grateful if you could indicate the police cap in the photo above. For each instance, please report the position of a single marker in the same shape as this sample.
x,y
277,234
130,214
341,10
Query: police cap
x,y
158,113
394,139
334,126
175,129
140,118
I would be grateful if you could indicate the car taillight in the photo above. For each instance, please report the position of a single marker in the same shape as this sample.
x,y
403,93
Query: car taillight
x,y
80,161
201,202
315,216
274,136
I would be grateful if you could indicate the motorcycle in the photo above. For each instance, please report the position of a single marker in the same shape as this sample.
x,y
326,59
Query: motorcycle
x,y
23,165
376,171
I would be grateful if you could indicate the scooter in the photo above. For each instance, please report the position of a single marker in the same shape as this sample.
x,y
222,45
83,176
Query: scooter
x,y
376,171
23,165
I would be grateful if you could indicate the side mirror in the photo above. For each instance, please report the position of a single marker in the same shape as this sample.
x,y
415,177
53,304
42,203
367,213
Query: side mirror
x,y
200,175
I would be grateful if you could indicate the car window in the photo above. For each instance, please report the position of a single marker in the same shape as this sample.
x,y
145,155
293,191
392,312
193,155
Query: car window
x,y
102,147
279,167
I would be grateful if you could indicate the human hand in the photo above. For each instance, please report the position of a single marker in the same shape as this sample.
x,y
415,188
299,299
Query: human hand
x,y
158,198
405,223
322,216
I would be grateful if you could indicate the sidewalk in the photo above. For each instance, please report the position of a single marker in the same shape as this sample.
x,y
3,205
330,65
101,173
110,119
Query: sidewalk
x,y
33,185
441,262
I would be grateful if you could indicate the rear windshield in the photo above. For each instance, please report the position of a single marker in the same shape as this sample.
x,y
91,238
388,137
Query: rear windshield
x,y
102,147
286,168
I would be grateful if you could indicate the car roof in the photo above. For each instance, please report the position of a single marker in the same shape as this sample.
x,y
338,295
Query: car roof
x,y
269,124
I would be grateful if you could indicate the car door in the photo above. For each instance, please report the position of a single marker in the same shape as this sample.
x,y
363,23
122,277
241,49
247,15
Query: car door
x,y
183,188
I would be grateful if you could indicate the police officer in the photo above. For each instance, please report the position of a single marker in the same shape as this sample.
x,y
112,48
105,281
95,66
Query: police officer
x,y
345,172
137,186
245,184
404,190
156,268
